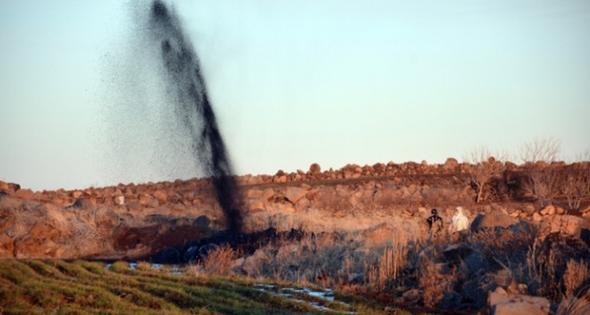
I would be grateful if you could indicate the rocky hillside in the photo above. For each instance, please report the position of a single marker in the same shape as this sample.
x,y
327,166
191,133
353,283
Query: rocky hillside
x,y
134,220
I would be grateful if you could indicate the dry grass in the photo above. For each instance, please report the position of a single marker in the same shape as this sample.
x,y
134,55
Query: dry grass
x,y
344,262
219,261
435,282
576,188
575,305
576,273
388,268
143,266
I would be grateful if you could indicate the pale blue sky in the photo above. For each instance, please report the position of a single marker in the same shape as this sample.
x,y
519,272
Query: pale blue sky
x,y
295,82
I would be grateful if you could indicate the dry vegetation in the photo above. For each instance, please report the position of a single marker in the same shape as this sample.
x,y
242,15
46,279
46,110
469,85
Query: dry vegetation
x,y
540,150
452,272
441,275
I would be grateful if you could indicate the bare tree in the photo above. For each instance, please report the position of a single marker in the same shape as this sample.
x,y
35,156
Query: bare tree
x,y
543,185
484,168
583,157
576,188
546,150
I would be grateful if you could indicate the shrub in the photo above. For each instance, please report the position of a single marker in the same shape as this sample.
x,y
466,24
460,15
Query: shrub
x,y
575,305
435,282
120,266
219,261
144,266
575,275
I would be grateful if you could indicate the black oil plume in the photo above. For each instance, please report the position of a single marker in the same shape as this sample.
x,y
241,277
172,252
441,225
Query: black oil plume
x,y
189,91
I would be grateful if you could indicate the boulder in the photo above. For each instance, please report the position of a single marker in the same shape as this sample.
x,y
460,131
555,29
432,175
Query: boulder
x,y
462,254
516,304
294,194
161,196
9,188
503,277
84,203
552,210
492,220
450,164
202,222
148,200
564,224
24,194
280,179
315,169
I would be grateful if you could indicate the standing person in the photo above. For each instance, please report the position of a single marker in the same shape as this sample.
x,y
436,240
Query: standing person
x,y
435,223
459,222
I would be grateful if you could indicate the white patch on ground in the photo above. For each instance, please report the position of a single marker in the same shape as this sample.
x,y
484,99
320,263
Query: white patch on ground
x,y
320,297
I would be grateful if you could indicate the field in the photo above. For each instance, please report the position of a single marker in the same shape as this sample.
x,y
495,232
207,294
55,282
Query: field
x,y
82,287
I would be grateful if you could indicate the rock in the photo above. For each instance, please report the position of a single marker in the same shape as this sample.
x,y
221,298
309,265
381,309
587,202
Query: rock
x,y
148,201
9,188
492,220
564,224
280,179
24,194
560,210
537,217
161,196
294,194
202,222
462,254
133,205
412,295
84,203
514,304
549,210
43,240
501,291
503,278
450,164
315,169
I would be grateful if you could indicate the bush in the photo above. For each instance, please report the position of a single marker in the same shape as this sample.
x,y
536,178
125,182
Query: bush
x,y
219,261
576,273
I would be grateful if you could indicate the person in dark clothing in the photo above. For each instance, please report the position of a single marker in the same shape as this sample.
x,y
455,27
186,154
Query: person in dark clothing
x,y
435,223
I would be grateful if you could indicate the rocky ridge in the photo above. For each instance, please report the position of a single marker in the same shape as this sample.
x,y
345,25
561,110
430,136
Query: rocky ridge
x,y
132,220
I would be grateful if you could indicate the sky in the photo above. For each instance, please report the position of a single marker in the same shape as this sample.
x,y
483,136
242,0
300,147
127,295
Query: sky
x,y
292,82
